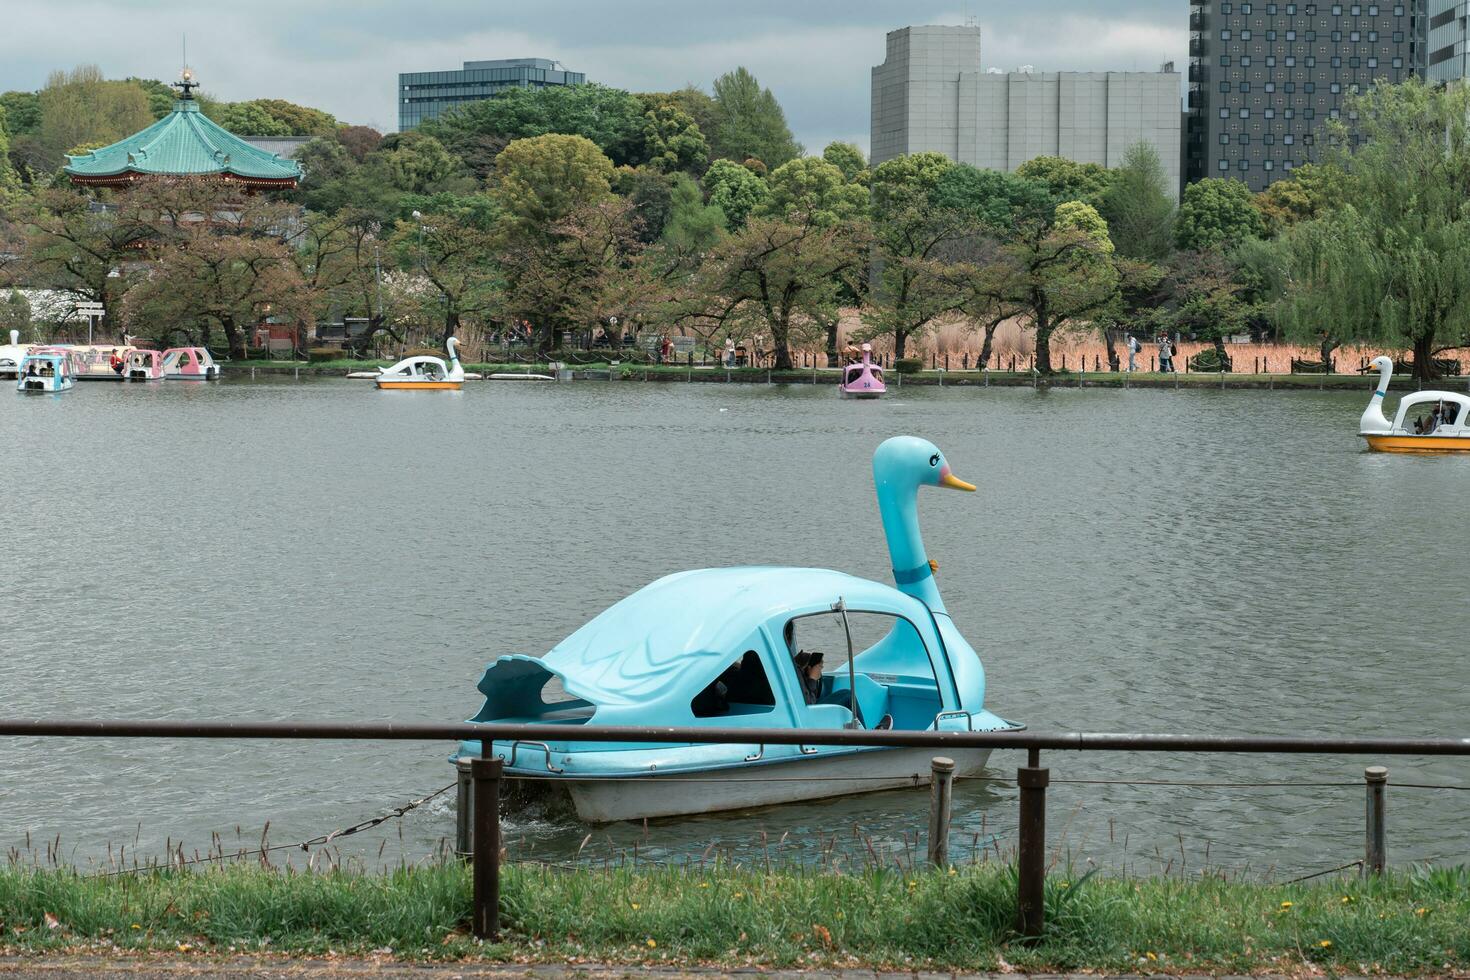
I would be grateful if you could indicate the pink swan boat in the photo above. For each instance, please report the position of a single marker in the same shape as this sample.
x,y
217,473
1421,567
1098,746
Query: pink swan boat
x,y
863,379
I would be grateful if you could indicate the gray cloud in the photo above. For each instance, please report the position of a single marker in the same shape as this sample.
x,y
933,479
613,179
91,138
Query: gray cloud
x,y
344,56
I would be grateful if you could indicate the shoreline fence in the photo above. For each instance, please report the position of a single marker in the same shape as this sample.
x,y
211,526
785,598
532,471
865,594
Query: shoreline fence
x,y
485,773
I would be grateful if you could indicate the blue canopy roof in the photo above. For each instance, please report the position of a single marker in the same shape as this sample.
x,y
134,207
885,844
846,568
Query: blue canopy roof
x,y
665,641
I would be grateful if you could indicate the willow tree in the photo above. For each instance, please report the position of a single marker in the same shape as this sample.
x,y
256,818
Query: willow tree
x,y
1402,237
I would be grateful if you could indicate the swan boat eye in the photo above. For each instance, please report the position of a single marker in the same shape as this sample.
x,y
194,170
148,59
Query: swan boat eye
x,y
934,460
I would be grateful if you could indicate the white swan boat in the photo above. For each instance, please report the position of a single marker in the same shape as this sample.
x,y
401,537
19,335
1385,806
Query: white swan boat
x,y
1425,422
424,373
11,355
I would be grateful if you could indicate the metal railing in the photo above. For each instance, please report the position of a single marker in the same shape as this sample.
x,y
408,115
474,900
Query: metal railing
x,y
485,773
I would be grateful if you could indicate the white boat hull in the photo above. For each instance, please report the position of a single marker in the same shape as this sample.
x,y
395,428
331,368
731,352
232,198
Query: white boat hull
x,y
744,787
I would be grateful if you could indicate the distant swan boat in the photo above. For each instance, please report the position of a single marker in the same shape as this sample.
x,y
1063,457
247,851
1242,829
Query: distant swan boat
x,y
1444,414
424,373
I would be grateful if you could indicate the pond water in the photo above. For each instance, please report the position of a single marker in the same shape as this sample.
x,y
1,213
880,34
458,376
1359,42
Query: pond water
x,y
1221,562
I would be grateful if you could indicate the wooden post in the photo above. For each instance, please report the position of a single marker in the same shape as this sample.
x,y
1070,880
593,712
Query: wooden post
x,y
485,777
1374,859
1031,843
940,786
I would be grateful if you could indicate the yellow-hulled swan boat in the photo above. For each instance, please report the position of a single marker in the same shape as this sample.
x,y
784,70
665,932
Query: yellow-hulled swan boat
x,y
1442,416
425,373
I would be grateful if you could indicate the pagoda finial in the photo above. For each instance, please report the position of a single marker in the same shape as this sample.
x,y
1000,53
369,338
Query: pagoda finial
x,y
186,84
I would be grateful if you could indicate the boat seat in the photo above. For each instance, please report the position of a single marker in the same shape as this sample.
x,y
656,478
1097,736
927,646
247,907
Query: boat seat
x,y
872,697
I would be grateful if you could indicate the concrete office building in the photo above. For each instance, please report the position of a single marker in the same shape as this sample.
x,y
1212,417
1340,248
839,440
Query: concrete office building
x,y
1265,77
1447,59
426,94
931,94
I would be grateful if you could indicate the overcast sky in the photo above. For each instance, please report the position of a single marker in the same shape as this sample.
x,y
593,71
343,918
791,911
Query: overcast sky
x,y
344,55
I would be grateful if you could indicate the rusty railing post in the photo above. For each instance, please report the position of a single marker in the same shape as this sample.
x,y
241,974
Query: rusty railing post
x,y
485,780
941,782
464,806
1374,858
1031,857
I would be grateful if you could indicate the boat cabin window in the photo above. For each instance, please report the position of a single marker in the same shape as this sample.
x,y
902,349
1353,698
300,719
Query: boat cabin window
x,y
893,673
741,688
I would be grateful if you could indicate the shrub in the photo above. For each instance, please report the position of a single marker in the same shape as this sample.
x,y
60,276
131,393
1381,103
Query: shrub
x,y
1209,360
908,365
324,354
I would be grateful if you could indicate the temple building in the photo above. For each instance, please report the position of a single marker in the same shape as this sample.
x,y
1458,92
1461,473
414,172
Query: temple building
x,y
184,143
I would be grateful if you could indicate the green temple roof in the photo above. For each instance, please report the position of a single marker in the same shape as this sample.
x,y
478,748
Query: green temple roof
x,y
183,143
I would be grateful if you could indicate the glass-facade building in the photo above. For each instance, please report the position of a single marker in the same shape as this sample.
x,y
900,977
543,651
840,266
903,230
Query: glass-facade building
x,y
1264,78
1449,25
427,94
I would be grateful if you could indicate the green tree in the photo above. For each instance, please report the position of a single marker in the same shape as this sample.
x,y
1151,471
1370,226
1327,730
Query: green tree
x,y
672,140
694,101
1139,207
812,186
230,272
545,178
81,108
454,255
1067,180
322,161
416,163
651,195
693,225
997,200
298,120
847,158
1325,297
1210,304
1404,229
9,179
359,141
735,191
161,97
22,112
910,234
15,314
1058,274
250,119
74,249
1216,212
749,122
611,118
776,276
1311,191
574,275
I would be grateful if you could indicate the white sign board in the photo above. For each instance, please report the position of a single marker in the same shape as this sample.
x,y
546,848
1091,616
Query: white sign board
x,y
90,309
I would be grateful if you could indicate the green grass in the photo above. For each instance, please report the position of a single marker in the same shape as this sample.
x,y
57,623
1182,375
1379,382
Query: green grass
x,y
1410,922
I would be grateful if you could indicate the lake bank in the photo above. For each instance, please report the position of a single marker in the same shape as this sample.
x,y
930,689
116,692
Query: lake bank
x,y
1410,922
660,373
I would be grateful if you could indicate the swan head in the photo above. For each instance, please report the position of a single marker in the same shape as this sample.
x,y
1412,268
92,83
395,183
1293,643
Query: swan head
x,y
1381,363
910,461
452,345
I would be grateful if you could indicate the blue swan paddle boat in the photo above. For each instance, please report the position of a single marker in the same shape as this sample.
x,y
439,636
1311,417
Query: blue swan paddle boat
x,y
727,647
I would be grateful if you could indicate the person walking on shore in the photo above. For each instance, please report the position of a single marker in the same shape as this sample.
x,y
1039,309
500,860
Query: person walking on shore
x,y
1133,347
1166,354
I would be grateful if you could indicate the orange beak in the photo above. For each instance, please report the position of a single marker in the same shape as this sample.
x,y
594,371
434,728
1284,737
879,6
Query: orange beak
x,y
948,479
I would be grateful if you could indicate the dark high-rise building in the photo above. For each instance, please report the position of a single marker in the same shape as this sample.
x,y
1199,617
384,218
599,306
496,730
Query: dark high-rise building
x,y
1264,78
426,94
